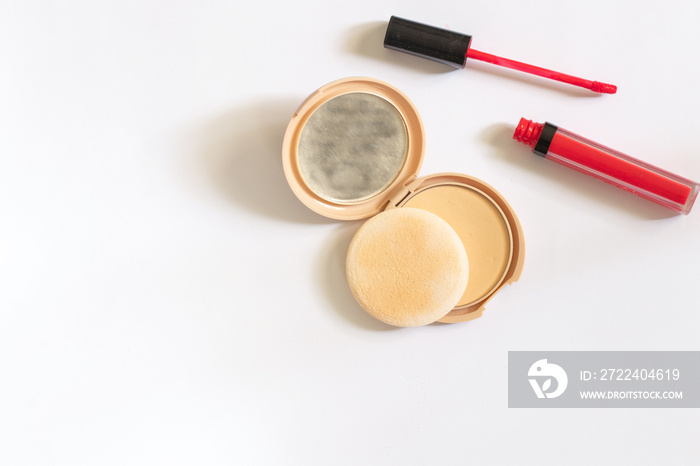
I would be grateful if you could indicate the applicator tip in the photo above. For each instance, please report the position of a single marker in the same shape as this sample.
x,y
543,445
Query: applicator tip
x,y
603,88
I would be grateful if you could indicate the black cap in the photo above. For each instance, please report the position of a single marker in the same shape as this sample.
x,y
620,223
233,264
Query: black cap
x,y
426,41
545,139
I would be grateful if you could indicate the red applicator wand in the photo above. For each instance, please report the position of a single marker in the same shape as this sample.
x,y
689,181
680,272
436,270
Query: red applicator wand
x,y
453,48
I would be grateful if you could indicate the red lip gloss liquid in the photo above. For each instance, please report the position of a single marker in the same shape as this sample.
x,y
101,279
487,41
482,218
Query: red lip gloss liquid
x,y
625,172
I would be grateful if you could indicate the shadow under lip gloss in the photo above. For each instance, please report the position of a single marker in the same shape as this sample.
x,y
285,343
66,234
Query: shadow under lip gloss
x,y
625,172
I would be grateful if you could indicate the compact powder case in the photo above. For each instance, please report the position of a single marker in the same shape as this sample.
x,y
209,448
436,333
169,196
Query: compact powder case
x,y
353,150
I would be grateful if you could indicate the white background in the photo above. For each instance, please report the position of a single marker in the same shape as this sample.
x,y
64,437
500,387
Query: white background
x,y
165,299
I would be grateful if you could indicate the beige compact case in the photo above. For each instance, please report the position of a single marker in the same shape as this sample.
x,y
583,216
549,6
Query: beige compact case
x,y
353,150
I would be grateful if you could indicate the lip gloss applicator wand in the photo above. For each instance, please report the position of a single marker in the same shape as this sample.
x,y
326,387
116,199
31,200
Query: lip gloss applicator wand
x,y
453,48
625,172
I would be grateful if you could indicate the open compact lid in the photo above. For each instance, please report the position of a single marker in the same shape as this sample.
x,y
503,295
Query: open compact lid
x,y
350,145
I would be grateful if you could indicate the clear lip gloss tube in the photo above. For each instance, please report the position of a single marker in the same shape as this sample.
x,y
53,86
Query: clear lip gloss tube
x,y
625,172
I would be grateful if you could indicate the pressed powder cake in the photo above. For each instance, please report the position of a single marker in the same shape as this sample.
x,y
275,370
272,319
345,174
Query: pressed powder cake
x,y
407,267
482,229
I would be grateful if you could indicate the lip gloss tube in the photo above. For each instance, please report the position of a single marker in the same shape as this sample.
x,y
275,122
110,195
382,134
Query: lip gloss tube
x,y
625,172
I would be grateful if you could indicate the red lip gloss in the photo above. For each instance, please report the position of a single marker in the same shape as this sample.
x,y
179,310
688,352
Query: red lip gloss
x,y
625,172
453,48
